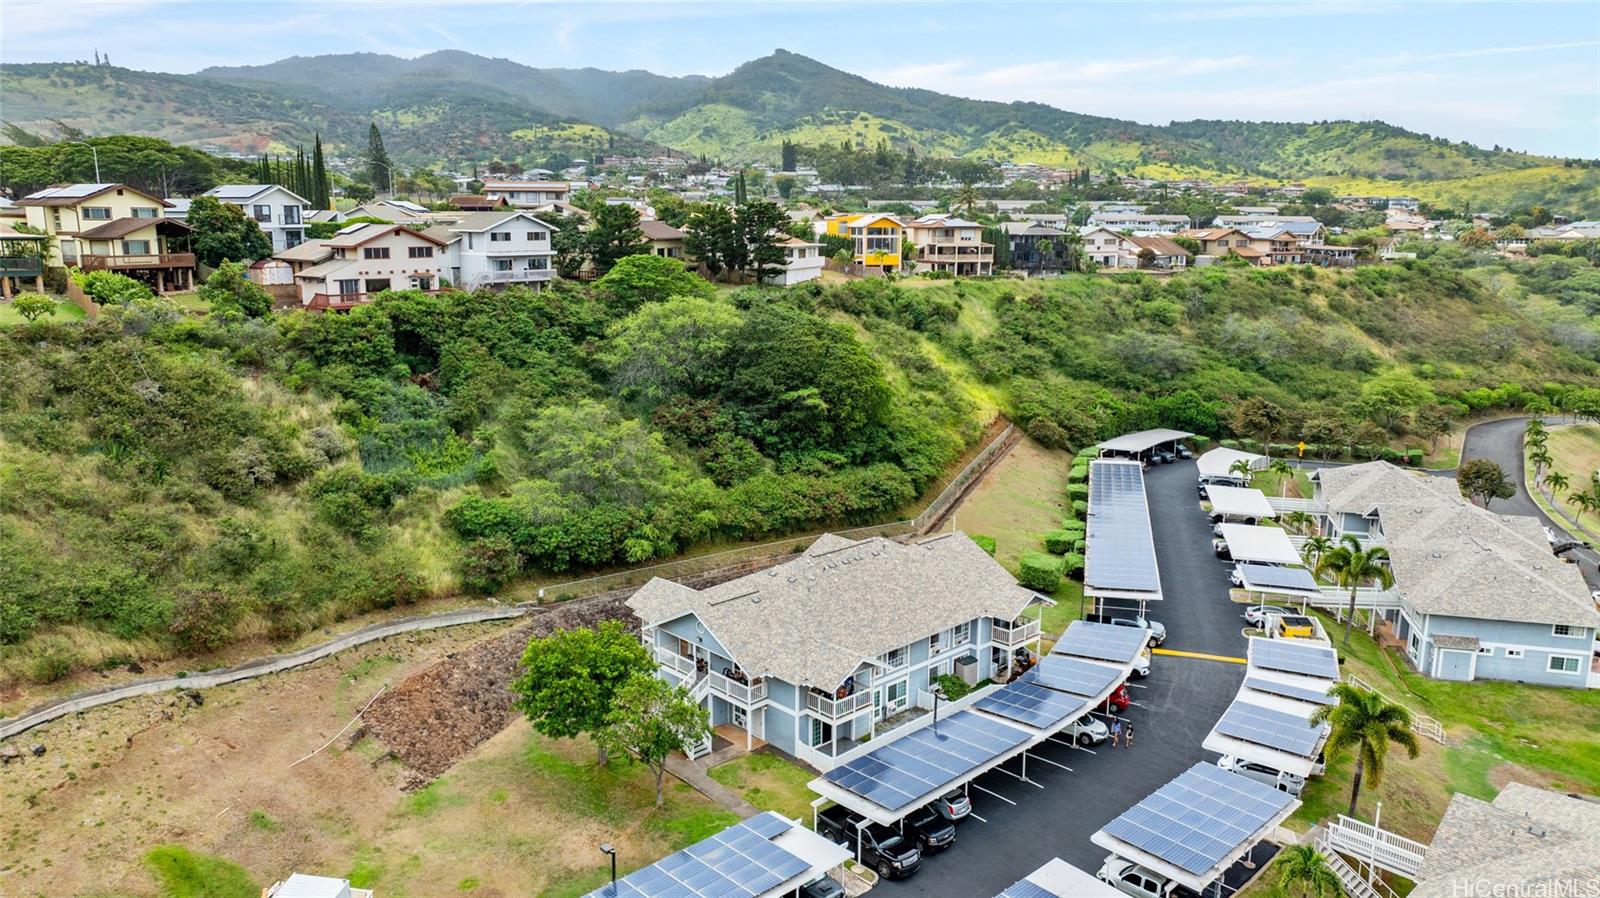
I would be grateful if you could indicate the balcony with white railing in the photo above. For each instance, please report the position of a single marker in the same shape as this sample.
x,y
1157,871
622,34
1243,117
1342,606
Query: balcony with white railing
x,y
748,695
679,666
1015,633
835,710
517,276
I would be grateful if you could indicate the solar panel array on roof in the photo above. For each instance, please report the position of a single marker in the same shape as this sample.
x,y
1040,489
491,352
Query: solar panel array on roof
x,y
1273,687
895,776
1025,889
1103,642
1073,675
739,862
1198,819
1267,577
1271,728
69,190
1119,551
1295,657
1031,704
238,191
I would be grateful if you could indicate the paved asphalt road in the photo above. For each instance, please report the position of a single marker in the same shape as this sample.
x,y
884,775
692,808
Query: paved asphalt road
x,y
1179,703
1501,442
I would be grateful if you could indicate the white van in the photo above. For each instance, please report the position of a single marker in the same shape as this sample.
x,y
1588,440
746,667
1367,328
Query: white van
x,y
1282,780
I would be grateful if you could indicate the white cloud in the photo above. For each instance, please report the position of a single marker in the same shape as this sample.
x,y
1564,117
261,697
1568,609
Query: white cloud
x,y
1404,58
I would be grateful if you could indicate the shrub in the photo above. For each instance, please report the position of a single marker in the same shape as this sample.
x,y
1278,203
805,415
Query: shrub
x,y
202,619
486,564
1040,572
1080,508
1230,444
52,660
1078,491
1073,528
1200,443
952,686
109,288
986,543
1072,565
1414,457
1077,546
1078,474
1057,542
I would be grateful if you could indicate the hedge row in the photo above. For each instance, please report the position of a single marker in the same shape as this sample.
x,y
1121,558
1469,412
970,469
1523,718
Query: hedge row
x,y
1077,491
986,543
1319,451
1040,572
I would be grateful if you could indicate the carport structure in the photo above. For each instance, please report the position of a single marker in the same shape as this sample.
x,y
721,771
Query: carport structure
x,y
767,856
1135,445
1277,580
1197,826
1059,879
1271,730
1119,546
1217,465
1241,503
1259,545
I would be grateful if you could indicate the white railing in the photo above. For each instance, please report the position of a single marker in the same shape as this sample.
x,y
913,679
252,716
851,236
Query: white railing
x,y
1379,847
519,276
745,694
834,709
1421,724
698,749
1367,598
1283,505
1355,885
1014,634
678,664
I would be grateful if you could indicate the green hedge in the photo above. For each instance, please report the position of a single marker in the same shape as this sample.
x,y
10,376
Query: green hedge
x,y
1200,443
1230,444
1074,527
1077,546
1072,564
1078,475
1080,508
986,543
1040,572
1059,542
1077,491
1414,457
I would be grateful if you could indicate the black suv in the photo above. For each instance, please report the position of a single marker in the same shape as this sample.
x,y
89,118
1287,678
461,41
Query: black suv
x,y
894,856
932,832
822,887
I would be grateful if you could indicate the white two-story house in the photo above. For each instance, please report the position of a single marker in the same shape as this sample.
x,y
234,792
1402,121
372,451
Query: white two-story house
x,y
821,653
279,211
366,259
528,194
1477,595
492,249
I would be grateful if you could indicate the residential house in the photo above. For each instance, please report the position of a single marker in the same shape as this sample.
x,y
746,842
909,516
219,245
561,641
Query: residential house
x,y
947,243
1528,841
878,238
1478,595
665,240
367,259
477,202
113,227
1158,252
1106,248
802,261
1244,218
1222,241
305,255
527,194
1036,248
279,211
21,260
493,249
1145,222
820,653
1330,256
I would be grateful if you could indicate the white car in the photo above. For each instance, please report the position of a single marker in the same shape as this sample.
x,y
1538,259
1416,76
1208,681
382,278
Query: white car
x,y
1088,730
1256,615
1141,665
1131,879
1282,780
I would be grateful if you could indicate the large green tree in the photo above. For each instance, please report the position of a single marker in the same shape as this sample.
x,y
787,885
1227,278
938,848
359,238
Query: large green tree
x,y
640,279
380,171
223,231
613,235
229,291
649,719
1483,480
569,680
761,227
711,236
671,347
1303,872
1364,722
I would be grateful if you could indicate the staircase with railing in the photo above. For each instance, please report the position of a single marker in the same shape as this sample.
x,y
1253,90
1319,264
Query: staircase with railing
x,y
1421,724
1379,848
1355,885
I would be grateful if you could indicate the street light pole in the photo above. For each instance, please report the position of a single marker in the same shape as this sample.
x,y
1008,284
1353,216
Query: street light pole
x,y
938,693
96,158
390,169
610,849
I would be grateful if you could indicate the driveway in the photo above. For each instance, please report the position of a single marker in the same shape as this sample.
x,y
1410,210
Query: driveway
x,y
1174,710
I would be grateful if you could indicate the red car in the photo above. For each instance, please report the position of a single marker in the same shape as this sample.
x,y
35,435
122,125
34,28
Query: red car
x,y
1119,700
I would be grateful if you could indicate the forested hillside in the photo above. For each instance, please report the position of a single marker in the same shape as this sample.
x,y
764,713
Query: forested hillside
x,y
171,483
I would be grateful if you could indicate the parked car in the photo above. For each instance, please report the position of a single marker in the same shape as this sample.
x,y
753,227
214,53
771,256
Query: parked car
x,y
1118,617
1219,547
1282,780
823,886
952,805
1184,452
1236,580
1163,457
1201,489
894,856
1131,879
931,831
1141,665
1088,730
1119,700
1256,615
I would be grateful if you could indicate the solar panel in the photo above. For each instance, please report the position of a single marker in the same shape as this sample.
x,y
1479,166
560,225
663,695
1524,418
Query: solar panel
x,y
1273,687
1119,551
1072,675
1295,657
739,861
1271,728
1031,704
1103,642
1269,577
896,776
1198,819
1025,889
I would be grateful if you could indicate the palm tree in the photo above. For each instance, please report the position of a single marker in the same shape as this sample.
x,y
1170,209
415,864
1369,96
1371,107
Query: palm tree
x,y
1242,468
1540,456
1350,565
1297,521
1583,500
1314,548
967,197
1282,468
1365,722
1535,426
1557,483
1304,871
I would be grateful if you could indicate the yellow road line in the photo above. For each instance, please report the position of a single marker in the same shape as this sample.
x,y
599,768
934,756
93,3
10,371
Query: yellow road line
x,y
1201,655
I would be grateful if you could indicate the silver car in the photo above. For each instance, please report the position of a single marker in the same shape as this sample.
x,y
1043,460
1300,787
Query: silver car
x,y
953,805
1088,730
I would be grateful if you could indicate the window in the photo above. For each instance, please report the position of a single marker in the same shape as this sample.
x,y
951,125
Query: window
x,y
961,633
936,643
539,264
69,251
96,213
500,264
499,236
1563,664
894,659
536,236
377,285
293,238
136,247
421,282
262,212
1513,653
375,252
1566,630
146,212
291,214
1486,650
349,286
420,252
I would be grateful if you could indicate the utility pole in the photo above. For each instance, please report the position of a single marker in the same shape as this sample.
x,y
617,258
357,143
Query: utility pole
x,y
96,158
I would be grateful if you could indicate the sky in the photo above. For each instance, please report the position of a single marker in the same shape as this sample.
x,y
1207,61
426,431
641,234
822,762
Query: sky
x,y
1523,75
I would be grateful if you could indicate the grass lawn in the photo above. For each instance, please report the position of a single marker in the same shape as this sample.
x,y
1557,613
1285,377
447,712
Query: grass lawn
x,y
188,874
1271,483
189,301
1497,732
65,311
1575,452
769,782
1018,501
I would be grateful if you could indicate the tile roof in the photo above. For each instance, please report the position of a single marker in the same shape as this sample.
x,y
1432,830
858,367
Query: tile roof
x,y
659,230
1451,557
1532,840
309,251
813,620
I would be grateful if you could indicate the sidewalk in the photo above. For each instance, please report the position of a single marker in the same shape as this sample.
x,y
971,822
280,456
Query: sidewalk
x,y
695,776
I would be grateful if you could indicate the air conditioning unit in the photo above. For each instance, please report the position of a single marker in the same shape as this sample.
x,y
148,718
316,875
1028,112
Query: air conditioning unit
x,y
966,667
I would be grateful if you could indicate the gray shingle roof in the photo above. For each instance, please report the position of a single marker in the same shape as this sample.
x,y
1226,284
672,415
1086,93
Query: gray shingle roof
x,y
1451,557
813,620
1528,837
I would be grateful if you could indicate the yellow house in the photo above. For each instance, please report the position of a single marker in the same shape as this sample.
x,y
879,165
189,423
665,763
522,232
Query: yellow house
x,y
113,227
878,237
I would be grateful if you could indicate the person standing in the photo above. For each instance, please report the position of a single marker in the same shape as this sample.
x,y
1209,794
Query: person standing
x,y
1127,738
1116,732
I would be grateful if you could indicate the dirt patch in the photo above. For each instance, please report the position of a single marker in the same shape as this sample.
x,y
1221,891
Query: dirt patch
x,y
435,717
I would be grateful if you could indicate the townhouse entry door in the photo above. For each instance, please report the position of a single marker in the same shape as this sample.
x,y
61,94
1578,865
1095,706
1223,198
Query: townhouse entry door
x,y
890,699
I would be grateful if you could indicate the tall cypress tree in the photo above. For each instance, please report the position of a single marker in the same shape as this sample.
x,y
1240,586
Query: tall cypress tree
x,y
790,155
378,170
319,176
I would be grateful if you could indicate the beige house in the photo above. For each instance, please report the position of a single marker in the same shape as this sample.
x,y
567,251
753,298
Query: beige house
x,y
367,259
665,240
528,194
113,227
947,243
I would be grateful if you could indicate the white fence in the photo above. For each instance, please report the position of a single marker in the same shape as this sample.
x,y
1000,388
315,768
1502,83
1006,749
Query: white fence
x,y
1421,724
1379,847
1355,885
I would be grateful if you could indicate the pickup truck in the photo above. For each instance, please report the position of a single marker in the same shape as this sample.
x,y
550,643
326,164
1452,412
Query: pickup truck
x,y
894,856
1120,618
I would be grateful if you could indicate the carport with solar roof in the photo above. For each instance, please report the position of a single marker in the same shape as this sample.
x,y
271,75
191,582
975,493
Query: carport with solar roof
x,y
766,856
1119,547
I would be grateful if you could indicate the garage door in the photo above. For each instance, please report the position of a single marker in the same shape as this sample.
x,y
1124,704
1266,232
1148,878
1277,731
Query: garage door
x,y
1454,665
